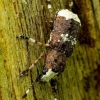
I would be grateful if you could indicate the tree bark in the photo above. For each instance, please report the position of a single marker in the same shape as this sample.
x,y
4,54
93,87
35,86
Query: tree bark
x,y
89,48
81,78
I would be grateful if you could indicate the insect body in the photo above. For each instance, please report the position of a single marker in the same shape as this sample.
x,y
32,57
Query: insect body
x,y
62,41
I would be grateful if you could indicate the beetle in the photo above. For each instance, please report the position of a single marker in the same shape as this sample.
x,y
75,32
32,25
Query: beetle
x,y
62,42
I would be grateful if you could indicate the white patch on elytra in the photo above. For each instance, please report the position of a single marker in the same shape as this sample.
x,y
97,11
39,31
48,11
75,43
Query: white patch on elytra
x,y
70,38
58,41
73,42
48,76
68,15
65,37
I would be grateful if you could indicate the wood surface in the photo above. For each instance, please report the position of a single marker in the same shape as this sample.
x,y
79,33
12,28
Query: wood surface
x,y
81,78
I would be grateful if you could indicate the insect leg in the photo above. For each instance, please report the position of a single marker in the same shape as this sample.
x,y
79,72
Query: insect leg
x,y
27,91
36,61
32,40
38,78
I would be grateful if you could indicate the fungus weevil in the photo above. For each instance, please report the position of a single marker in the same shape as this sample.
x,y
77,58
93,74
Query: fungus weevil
x,y
62,41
